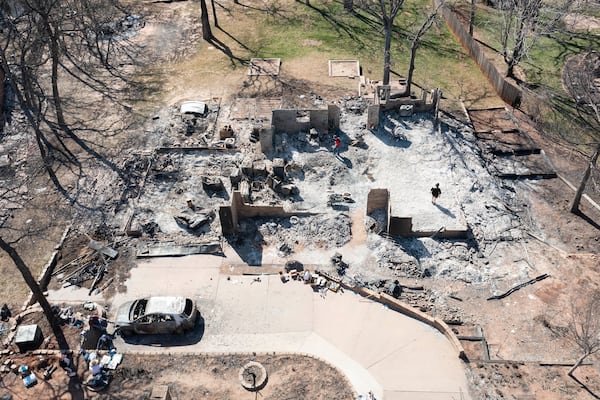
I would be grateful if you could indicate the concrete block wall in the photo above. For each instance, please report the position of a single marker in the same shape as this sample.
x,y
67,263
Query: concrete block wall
x,y
373,116
400,226
230,215
378,198
333,118
290,121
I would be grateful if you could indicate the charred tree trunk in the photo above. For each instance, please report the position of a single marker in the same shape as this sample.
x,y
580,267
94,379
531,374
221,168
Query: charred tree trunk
x,y
517,51
472,17
54,57
586,176
206,32
37,292
411,67
415,45
387,56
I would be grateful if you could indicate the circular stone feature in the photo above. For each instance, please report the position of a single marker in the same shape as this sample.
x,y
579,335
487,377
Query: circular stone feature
x,y
253,376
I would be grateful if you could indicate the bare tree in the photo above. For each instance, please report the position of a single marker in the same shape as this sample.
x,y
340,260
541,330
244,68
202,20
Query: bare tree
x,y
11,193
37,292
385,11
523,23
584,328
416,41
43,41
582,83
76,38
472,17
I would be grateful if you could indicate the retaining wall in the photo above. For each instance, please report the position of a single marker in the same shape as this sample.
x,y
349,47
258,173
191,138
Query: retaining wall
x,y
412,312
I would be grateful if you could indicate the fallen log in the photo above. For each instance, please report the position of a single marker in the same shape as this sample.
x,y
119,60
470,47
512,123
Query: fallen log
x,y
514,289
77,271
106,285
97,279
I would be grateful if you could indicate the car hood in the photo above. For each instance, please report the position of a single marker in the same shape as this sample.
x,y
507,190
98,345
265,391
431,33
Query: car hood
x,y
123,313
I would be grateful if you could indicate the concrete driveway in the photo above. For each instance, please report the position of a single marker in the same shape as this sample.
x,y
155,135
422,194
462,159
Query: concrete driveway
x,y
378,349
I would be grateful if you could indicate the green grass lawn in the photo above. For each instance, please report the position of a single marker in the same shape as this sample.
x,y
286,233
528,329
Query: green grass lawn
x,y
331,30
542,69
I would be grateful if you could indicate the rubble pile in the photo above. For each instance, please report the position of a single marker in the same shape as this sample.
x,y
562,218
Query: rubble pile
x,y
89,268
318,231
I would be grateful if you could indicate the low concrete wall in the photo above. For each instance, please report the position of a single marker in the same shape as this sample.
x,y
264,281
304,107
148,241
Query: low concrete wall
x,y
230,215
373,116
445,233
427,319
377,198
400,226
243,210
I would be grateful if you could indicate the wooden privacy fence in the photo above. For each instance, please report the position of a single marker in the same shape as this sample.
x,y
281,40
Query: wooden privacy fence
x,y
507,91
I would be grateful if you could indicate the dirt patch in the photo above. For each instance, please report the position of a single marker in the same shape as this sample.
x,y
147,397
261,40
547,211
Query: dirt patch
x,y
188,378
579,22
581,77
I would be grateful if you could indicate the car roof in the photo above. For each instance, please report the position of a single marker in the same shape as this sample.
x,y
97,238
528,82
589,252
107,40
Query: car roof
x,y
165,305
193,107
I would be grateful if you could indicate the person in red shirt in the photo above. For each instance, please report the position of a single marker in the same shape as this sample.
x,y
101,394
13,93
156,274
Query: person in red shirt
x,y
337,142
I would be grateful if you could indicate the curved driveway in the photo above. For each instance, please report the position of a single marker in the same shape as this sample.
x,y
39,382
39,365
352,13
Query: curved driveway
x,y
378,349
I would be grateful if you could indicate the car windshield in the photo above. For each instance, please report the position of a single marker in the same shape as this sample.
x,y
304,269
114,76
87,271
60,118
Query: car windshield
x,y
138,308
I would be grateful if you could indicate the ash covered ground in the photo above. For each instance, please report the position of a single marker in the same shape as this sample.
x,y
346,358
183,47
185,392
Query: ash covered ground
x,y
406,155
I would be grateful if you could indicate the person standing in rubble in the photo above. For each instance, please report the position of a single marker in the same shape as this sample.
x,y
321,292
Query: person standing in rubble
x,y
337,142
435,193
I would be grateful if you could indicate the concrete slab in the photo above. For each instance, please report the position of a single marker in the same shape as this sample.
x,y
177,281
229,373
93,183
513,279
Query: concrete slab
x,y
344,68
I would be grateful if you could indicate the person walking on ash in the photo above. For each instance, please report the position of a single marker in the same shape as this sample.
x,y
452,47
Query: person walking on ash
x,y
337,142
435,193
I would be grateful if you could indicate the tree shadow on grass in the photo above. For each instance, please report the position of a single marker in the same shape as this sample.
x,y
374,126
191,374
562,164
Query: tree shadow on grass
x,y
219,45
